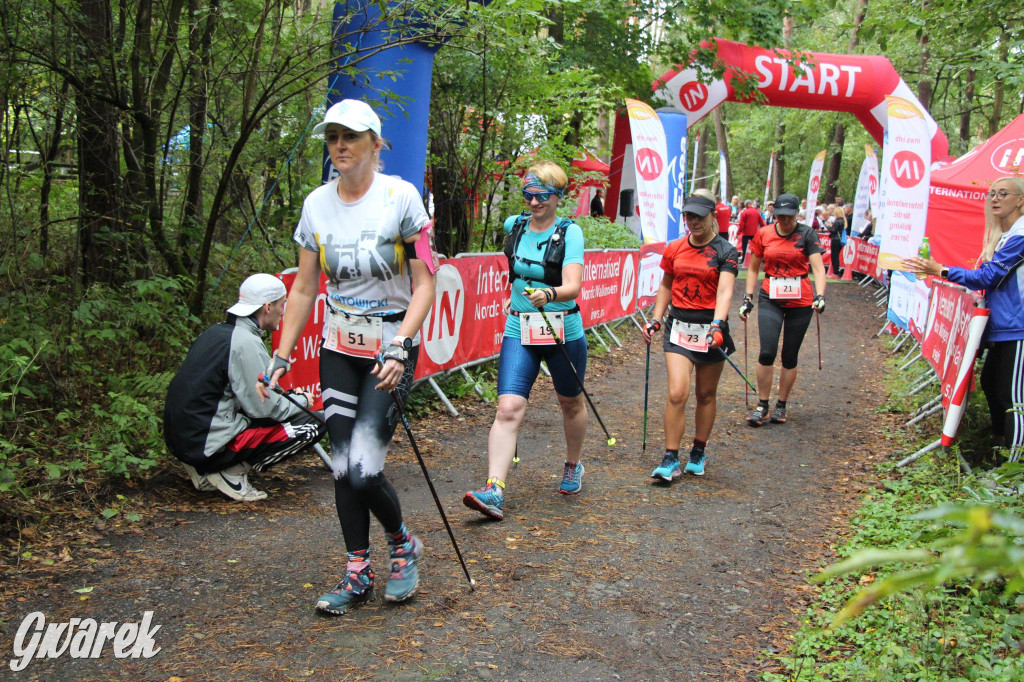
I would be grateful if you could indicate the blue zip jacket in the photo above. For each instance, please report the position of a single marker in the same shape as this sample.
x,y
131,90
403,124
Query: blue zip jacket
x,y
1002,278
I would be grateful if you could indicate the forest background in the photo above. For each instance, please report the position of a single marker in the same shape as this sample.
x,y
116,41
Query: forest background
x,y
157,152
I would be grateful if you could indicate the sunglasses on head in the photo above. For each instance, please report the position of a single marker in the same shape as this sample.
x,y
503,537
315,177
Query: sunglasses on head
x,y
539,196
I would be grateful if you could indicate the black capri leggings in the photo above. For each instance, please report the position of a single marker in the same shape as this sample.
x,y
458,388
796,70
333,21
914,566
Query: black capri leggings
x,y
792,322
361,421
1002,379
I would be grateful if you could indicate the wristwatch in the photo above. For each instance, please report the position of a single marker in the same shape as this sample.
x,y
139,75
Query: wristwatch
x,y
944,272
403,341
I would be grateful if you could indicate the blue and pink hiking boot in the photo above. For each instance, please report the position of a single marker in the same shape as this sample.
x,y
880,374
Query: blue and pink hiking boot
x,y
355,588
405,575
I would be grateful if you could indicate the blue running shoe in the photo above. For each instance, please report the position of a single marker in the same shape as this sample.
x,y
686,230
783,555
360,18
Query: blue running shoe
x,y
669,469
486,500
405,575
572,479
696,464
355,588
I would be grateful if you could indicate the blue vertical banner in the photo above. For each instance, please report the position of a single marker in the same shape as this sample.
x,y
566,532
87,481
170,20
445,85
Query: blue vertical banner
x,y
674,124
394,80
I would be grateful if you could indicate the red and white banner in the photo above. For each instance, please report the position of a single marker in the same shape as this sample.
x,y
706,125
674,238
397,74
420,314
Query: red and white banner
x,y
650,275
867,192
804,80
906,167
956,393
813,185
609,286
864,257
649,159
767,181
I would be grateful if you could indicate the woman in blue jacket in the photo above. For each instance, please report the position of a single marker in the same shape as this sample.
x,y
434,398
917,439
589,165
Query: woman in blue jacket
x,y
1002,278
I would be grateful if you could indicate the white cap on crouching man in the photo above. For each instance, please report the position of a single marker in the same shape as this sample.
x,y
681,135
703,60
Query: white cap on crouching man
x,y
255,291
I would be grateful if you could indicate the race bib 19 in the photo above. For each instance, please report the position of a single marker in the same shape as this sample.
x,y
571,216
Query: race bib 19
x,y
534,331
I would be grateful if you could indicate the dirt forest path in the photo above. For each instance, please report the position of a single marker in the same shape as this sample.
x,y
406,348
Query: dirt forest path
x,y
625,581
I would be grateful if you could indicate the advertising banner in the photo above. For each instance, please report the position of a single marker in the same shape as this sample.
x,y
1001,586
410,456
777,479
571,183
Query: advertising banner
x,y
901,293
767,181
956,392
813,185
674,125
723,174
609,286
649,278
867,185
906,161
865,256
649,156
949,312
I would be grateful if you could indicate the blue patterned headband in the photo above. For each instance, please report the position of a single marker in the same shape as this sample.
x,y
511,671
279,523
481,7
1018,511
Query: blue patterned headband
x,y
533,181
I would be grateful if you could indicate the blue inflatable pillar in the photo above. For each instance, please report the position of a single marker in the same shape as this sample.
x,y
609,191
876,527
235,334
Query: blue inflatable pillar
x,y
403,103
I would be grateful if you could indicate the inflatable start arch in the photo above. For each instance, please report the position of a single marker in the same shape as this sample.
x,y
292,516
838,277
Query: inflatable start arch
x,y
856,84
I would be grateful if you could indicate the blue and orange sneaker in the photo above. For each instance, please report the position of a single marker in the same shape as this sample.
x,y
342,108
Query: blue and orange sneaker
x,y
355,588
487,500
405,574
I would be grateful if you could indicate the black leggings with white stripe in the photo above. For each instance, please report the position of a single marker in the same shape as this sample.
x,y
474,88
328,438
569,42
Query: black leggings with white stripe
x,y
1002,379
361,422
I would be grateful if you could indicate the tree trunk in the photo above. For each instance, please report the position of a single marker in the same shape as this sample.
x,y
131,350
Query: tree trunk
x,y
101,224
835,164
699,180
924,84
965,112
723,147
998,87
779,170
49,148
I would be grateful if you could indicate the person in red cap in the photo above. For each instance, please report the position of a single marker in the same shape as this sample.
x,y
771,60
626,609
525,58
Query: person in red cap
x,y
699,272
788,250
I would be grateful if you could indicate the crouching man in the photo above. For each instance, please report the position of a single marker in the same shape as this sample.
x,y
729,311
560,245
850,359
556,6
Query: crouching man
x,y
214,420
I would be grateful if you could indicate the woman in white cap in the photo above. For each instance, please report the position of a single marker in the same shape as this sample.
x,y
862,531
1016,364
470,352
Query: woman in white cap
x,y
699,272
788,250
369,233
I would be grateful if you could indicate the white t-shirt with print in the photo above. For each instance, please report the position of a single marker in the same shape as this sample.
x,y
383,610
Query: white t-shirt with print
x,y
361,244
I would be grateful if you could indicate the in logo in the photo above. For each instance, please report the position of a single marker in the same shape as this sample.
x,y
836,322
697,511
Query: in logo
x,y
906,168
627,286
693,96
444,322
649,164
815,184
1009,156
873,184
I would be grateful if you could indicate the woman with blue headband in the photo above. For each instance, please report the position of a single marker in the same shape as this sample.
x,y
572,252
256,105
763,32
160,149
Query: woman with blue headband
x,y
545,255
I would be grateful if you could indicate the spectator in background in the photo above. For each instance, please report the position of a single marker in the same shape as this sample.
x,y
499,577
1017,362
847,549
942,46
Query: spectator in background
x,y
1002,278
837,233
735,207
839,201
750,221
868,230
596,205
769,213
723,215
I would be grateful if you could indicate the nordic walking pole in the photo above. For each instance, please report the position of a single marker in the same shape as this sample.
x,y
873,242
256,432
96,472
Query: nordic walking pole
x,y
746,363
262,378
742,376
647,383
817,319
565,354
430,484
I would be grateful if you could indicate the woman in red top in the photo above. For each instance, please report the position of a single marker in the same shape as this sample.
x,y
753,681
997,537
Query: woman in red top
x,y
788,250
700,269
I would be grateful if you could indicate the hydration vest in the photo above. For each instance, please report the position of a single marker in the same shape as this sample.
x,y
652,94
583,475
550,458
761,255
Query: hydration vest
x,y
554,252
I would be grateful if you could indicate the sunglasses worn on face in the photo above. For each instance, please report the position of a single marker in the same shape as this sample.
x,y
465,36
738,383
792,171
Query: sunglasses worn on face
x,y
1002,194
539,196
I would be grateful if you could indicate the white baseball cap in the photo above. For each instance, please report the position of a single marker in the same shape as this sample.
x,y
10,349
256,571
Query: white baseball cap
x,y
354,114
255,291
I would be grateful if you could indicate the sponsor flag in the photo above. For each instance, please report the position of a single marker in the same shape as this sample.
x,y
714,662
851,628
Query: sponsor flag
x,y
696,155
649,155
906,162
768,180
813,185
862,200
674,125
723,173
